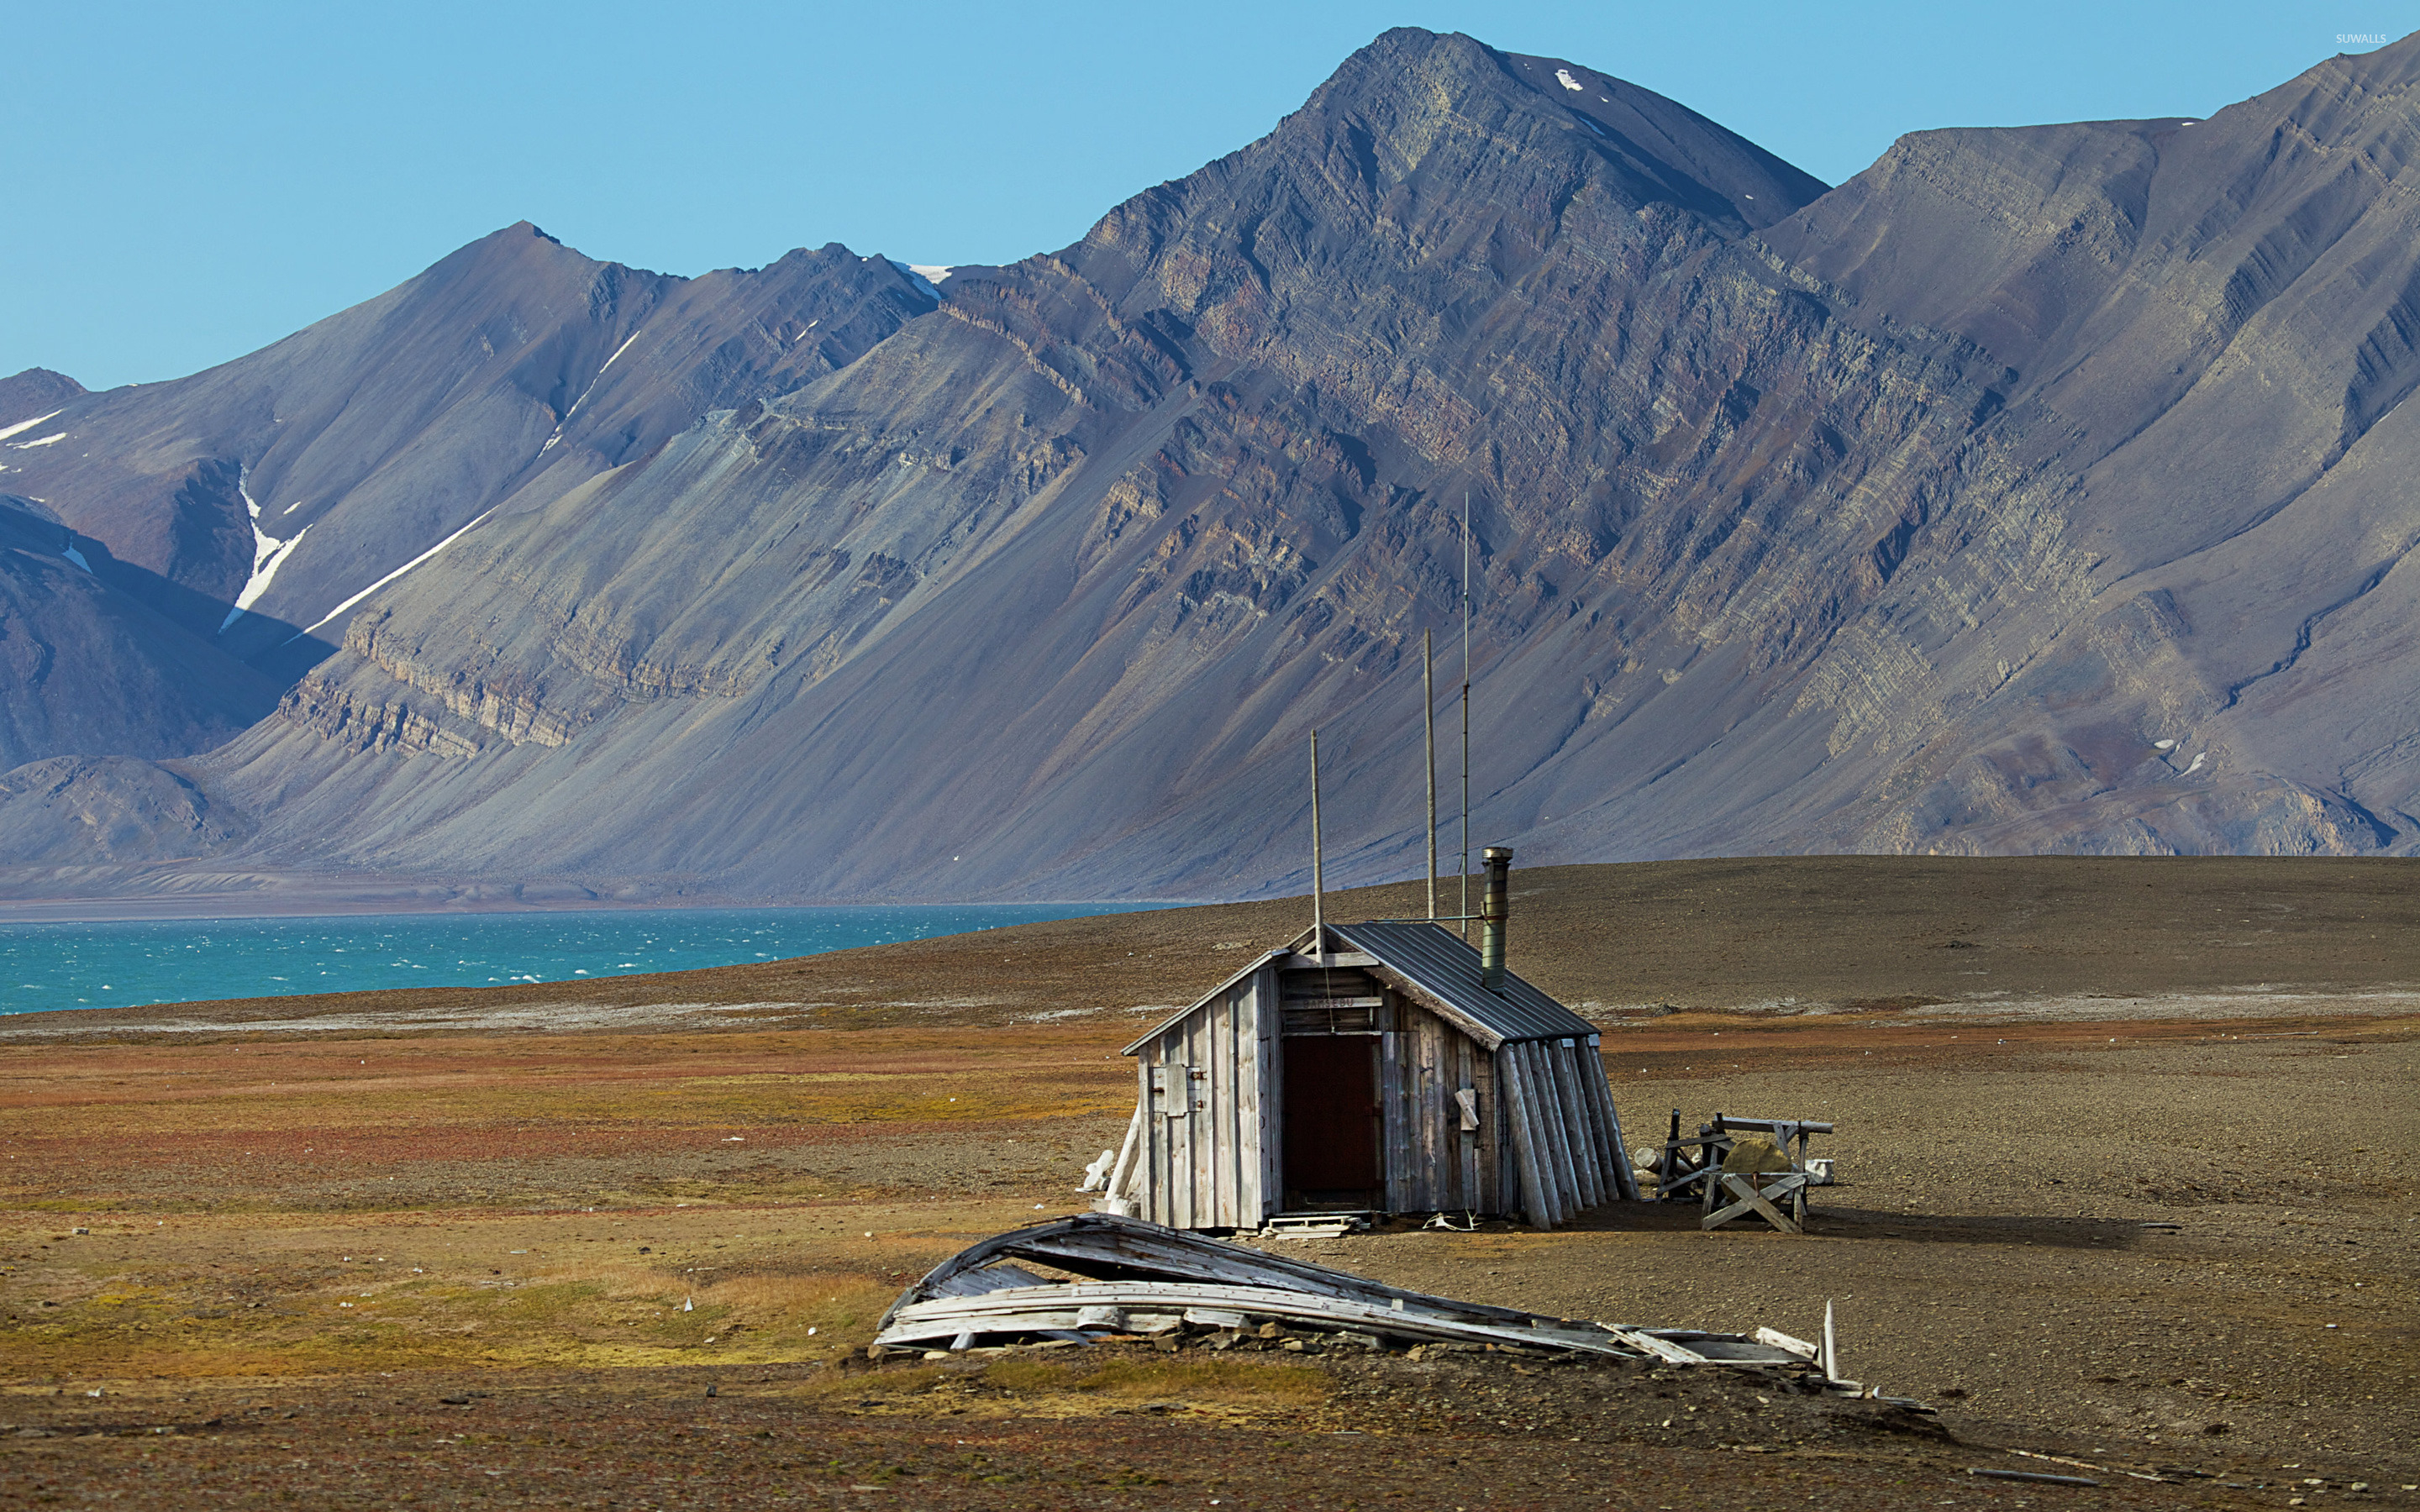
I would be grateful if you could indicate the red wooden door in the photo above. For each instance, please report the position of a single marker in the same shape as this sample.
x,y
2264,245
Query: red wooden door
x,y
1331,1119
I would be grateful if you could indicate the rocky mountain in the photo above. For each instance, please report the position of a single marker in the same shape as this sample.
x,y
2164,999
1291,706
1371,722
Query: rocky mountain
x,y
2038,490
286,484
93,660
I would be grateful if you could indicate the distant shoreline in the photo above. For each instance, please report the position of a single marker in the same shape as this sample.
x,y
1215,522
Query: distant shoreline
x,y
200,909
86,967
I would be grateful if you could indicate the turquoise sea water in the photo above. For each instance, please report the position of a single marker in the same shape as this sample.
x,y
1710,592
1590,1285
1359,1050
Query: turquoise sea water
x,y
45,966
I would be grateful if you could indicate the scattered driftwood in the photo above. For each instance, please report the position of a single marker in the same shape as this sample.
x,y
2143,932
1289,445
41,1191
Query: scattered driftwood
x,y
2035,1477
1131,1279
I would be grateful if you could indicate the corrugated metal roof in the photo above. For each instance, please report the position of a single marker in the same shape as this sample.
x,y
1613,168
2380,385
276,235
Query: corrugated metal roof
x,y
1432,957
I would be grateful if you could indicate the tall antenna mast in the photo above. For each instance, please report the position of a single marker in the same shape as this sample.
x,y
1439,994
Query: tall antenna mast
x,y
1428,713
1318,873
1462,865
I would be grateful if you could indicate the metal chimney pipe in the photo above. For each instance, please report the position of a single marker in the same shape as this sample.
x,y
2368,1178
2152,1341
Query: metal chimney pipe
x,y
1495,907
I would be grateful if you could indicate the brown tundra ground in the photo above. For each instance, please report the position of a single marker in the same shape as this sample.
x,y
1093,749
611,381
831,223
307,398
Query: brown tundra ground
x,y
612,1245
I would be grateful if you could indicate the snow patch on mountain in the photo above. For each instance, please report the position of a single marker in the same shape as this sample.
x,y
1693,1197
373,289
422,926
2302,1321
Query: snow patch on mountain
x,y
388,579
28,425
927,277
268,553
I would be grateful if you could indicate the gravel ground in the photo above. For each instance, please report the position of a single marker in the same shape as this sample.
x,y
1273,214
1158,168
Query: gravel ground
x,y
2174,1247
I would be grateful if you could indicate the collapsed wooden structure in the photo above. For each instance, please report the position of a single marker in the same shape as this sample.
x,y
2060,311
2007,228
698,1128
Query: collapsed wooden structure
x,y
1375,1067
1738,1176
1140,1279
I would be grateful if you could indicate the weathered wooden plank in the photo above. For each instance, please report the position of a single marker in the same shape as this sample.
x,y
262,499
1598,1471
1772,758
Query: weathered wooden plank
x,y
1577,1133
1537,1070
1027,1309
1200,1132
1579,1122
1155,1137
1102,1247
1663,1350
986,1278
1588,1081
1148,1187
1218,1034
1469,1145
1183,1128
1408,1051
1520,1192
1507,1163
1784,1342
1272,1092
1227,1087
1242,1148
1122,1176
1177,1298
1554,1155
1750,1199
1578,1065
1600,1087
1206,1035
1452,1142
1502,1172
1206,1132
1418,1126
1214,1093
1176,1108
1249,1210
1566,1138
1393,1131
1428,1110
1620,1182
1537,1189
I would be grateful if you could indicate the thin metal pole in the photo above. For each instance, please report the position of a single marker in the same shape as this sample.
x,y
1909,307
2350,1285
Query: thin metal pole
x,y
1463,865
1318,873
1428,712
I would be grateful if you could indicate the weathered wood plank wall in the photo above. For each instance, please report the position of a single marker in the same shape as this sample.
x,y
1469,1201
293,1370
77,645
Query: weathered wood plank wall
x,y
1207,1145
1206,1084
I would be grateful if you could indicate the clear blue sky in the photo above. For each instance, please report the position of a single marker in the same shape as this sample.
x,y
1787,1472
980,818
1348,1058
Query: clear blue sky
x,y
184,183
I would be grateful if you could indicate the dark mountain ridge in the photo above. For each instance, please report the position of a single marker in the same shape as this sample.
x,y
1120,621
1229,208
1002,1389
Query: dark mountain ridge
x,y
1914,515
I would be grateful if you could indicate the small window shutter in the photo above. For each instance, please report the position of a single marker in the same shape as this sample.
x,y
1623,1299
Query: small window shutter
x,y
1171,1089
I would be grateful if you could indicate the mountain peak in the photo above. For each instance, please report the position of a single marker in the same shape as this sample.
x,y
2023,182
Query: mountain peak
x,y
2041,489
34,392
1662,152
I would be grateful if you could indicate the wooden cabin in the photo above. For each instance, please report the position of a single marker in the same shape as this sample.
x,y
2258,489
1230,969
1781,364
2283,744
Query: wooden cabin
x,y
1377,1067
